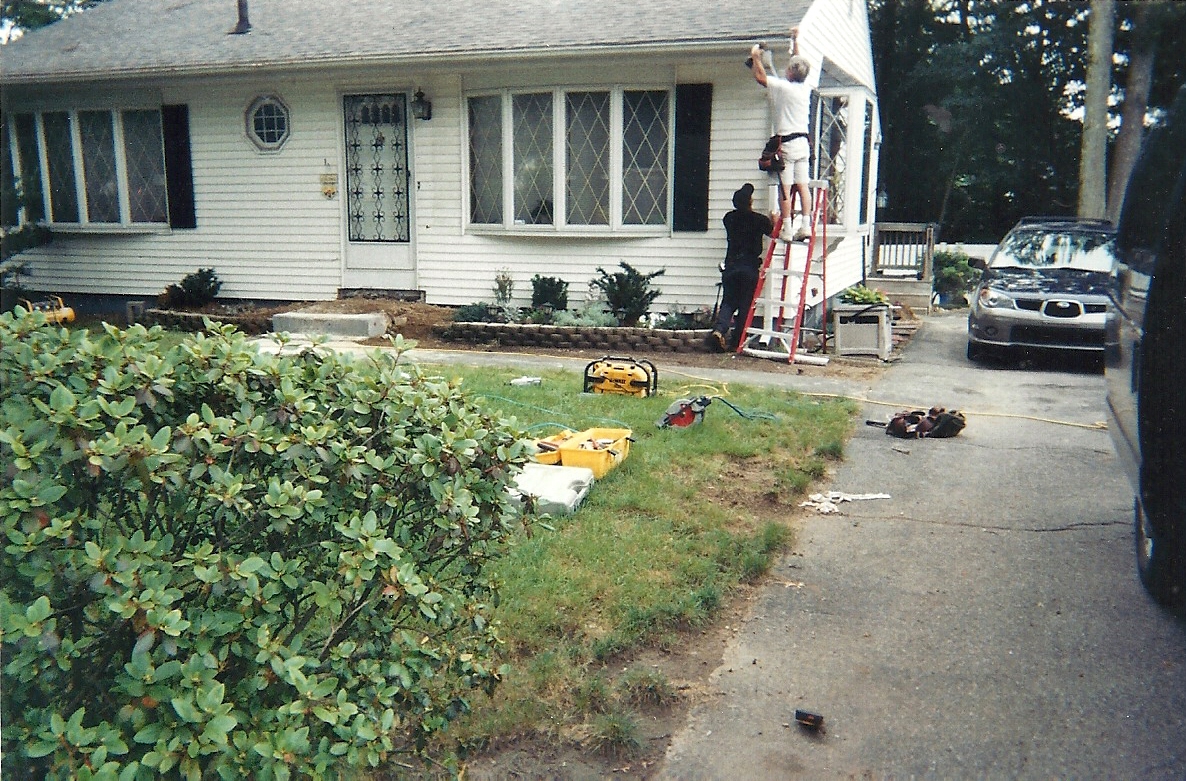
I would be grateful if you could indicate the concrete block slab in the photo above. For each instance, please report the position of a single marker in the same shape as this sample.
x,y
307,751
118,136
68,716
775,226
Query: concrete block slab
x,y
348,325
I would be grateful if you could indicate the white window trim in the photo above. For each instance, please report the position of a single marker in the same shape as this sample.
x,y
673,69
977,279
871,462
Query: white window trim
x,y
84,225
560,227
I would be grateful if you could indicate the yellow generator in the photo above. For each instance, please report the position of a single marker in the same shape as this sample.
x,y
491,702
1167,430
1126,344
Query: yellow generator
x,y
621,375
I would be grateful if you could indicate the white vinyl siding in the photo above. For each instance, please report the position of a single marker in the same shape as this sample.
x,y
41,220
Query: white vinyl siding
x,y
265,226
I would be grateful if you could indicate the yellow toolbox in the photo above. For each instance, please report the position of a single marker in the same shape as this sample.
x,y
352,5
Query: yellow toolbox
x,y
549,447
599,449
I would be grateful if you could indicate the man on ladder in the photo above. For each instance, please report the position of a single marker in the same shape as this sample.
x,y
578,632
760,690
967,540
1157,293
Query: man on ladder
x,y
790,105
783,289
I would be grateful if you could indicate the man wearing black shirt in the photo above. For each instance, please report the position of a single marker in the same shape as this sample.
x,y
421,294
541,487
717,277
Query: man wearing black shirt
x,y
744,231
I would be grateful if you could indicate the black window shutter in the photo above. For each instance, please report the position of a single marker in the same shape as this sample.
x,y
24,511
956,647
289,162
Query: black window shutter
x,y
179,166
693,118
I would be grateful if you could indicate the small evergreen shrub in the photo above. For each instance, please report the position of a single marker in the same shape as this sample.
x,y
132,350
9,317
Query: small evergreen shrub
x,y
685,321
549,291
472,313
953,272
628,293
223,563
194,291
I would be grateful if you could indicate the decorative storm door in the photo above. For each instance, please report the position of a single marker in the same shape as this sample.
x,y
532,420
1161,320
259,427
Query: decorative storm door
x,y
377,201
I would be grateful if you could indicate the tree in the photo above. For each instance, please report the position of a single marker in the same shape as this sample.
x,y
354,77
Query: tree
x,y
1143,26
1093,149
982,104
20,15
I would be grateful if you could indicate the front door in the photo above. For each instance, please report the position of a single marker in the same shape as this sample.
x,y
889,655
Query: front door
x,y
376,198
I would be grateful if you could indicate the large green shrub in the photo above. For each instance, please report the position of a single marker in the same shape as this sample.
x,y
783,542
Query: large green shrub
x,y
628,293
549,291
222,563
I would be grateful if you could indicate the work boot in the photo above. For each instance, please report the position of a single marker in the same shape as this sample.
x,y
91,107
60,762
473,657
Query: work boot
x,y
718,339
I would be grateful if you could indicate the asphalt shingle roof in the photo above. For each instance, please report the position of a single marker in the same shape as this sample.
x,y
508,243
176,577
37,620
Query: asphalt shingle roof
x,y
150,37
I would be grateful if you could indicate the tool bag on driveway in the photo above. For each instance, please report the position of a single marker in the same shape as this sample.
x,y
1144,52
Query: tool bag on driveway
x,y
935,422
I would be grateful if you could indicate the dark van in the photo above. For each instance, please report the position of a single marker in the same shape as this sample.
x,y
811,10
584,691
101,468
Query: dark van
x,y
1145,355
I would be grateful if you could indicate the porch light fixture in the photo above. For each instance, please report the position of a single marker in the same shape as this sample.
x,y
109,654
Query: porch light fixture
x,y
421,107
882,198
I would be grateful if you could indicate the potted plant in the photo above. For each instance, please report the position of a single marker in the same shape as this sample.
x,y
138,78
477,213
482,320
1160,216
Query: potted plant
x,y
954,276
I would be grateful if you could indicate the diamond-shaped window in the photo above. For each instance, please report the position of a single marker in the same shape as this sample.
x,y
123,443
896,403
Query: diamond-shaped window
x,y
144,151
645,138
533,164
588,158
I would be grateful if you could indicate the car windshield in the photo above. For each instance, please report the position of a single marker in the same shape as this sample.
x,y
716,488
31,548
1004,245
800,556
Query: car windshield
x,y
1046,249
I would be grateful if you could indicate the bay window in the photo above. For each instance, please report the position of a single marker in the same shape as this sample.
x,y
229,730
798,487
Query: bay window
x,y
97,169
573,160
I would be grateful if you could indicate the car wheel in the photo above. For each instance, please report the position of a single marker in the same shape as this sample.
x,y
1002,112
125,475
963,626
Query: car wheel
x,y
975,352
1160,570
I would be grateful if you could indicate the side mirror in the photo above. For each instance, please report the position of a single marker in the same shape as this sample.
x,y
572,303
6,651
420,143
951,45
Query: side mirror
x,y
979,263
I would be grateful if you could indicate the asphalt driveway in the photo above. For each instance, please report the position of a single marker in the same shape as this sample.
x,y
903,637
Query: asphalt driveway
x,y
984,622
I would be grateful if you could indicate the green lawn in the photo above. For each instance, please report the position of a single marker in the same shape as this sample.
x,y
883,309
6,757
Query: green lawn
x,y
655,549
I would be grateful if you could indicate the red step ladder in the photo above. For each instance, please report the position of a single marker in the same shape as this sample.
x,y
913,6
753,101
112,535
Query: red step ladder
x,y
783,289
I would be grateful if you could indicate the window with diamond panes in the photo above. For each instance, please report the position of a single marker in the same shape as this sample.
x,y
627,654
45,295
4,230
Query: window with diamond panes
x,y
144,155
833,152
485,160
98,160
115,160
644,157
588,157
63,198
589,161
531,122
29,166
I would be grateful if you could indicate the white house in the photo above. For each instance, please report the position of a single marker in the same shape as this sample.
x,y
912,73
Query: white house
x,y
418,146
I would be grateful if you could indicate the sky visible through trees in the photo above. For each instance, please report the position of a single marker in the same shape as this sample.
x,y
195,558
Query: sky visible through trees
x,y
982,104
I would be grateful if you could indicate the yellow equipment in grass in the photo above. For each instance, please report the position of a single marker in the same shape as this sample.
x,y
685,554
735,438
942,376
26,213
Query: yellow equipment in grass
x,y
621,375
599,449
53,308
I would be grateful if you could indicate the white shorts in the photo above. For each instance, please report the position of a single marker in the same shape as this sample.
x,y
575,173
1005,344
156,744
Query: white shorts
x,y
796,153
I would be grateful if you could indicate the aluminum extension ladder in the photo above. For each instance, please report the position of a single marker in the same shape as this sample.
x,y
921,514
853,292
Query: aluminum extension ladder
x,y
782,291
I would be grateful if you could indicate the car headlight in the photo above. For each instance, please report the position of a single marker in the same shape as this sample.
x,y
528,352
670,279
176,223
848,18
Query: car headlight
x,y
995,299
